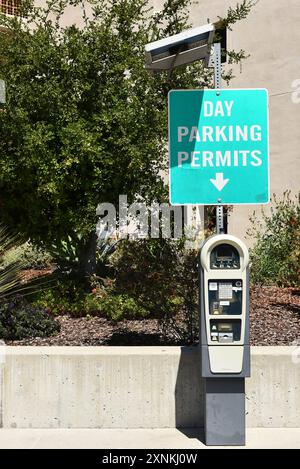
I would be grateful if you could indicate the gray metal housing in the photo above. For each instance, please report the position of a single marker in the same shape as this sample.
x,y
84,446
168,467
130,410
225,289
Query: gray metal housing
x,y
205,365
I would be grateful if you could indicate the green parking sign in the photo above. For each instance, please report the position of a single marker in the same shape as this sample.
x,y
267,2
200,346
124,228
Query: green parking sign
x,y
219,147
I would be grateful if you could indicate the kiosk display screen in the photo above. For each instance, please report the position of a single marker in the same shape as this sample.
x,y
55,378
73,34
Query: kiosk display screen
x,y
224,256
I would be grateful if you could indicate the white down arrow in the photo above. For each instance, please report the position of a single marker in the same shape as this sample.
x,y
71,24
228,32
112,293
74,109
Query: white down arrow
x,y
219,182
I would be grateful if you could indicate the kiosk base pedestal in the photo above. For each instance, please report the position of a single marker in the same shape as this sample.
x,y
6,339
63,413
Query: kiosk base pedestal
x,y
224,411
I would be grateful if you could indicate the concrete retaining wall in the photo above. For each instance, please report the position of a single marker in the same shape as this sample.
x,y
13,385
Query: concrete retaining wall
x,y
135,387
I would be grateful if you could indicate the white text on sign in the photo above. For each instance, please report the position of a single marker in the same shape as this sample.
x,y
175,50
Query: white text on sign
x,y
219,133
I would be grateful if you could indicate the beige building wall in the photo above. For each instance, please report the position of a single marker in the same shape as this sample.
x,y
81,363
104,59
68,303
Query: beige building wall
x,y
271,35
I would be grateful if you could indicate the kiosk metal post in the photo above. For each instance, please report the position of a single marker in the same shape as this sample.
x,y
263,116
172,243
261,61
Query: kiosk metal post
x,y
224,337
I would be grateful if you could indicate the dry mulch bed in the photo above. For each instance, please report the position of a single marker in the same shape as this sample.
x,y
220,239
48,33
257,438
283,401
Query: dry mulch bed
x,y
275,316
100,331
31,274
275,320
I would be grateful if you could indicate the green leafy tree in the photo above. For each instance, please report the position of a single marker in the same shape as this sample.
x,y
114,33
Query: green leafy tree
x,y
276,253
84,121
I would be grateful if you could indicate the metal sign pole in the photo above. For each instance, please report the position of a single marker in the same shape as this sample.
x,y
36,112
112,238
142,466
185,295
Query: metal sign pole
x,y
220,219
217,66
218,77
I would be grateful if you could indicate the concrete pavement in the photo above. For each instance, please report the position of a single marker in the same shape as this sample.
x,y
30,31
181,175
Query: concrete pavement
x,y
137,438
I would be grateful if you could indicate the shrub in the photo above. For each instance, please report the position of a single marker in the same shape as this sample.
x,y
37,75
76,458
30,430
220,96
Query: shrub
x,y
19,319
84,120
162,278
29,255
66,255
116,307
65,296
68,296
147,278
144,278
35,257
10,271
276,253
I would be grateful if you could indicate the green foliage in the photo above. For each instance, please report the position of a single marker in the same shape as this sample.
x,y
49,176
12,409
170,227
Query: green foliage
x,y
65,295
276,254
65,253
235,14
10,270
238,13
113,302
116,307
85,122
29,255
147,278
161,276
80,109
19,319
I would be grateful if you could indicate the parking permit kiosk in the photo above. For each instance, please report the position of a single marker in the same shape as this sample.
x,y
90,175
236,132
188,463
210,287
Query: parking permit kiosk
x,y
224,337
